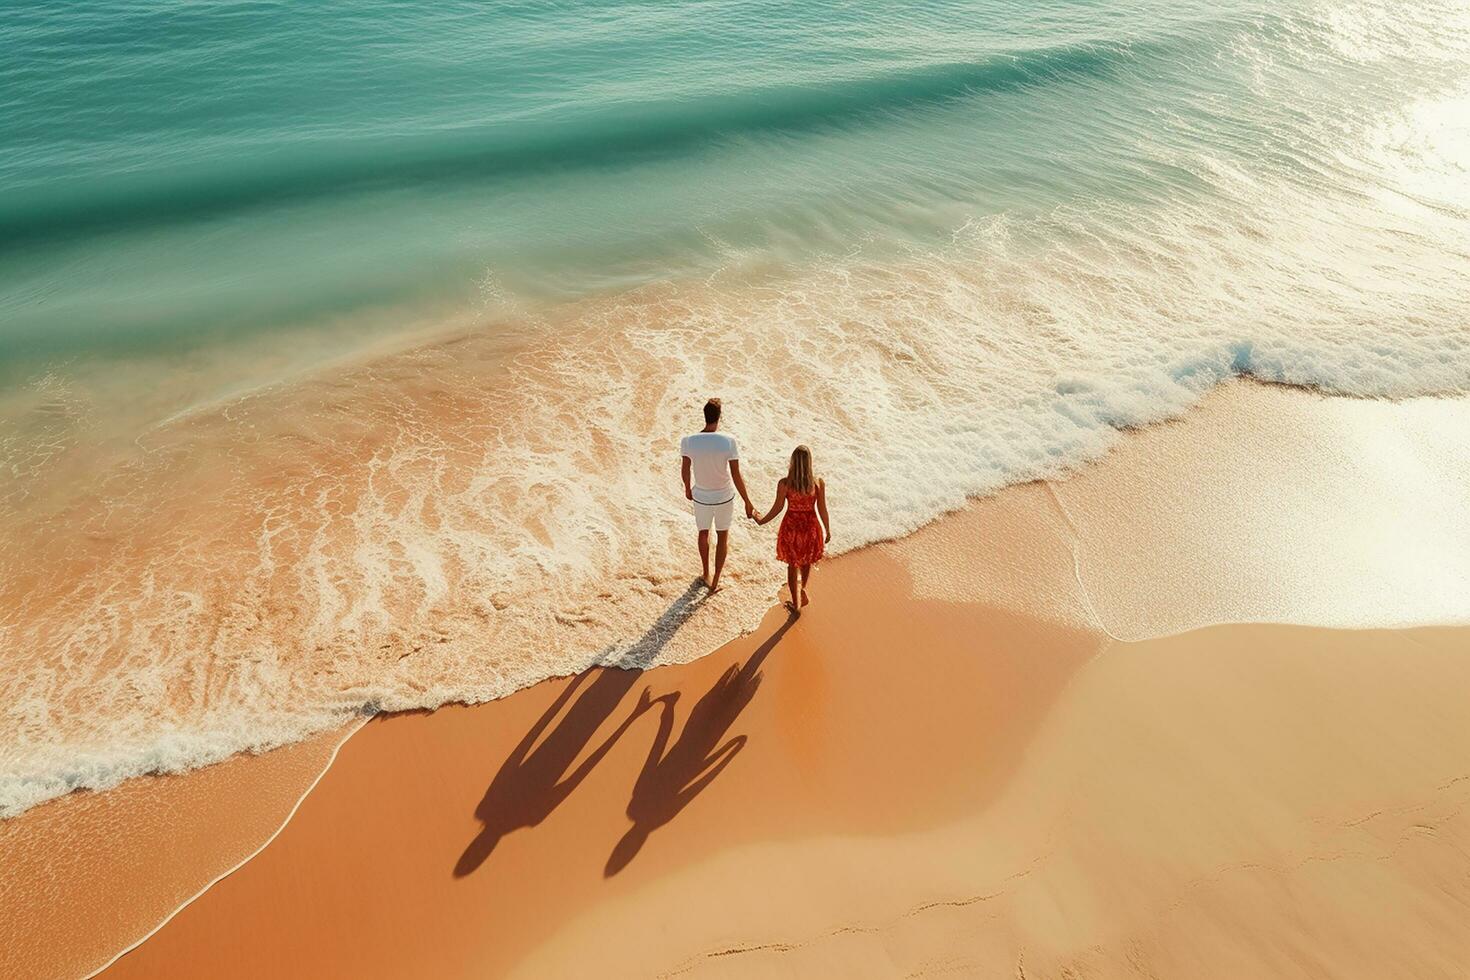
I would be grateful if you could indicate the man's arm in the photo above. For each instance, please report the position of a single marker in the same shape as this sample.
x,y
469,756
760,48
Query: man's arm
x,y
688,490
740,486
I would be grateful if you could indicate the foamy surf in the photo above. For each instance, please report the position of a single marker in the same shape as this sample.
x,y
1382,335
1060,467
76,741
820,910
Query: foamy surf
x,y
185,575
432,527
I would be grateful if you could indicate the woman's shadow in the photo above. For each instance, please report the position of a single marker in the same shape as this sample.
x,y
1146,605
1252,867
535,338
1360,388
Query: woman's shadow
x,y
673,776
536,778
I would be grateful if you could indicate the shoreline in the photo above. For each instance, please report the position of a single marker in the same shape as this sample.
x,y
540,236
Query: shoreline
x,y
1042,566
285,821
392,599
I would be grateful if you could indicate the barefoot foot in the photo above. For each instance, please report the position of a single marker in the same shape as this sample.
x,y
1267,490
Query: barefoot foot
x,y
791,607
804,599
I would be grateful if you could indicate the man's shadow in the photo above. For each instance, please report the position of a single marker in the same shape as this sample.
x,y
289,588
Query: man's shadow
x,y
671,779
536,778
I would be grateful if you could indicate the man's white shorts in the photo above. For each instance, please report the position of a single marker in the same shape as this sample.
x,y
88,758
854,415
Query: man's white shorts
x,y
717,516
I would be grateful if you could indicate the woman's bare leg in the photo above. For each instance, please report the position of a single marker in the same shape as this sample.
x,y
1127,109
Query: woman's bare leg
x,y
806,572
792,584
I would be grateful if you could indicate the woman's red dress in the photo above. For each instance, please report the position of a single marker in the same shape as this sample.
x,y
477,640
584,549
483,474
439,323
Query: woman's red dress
x,y
799,542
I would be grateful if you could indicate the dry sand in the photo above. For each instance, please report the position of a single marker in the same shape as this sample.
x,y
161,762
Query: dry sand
x,y
948,765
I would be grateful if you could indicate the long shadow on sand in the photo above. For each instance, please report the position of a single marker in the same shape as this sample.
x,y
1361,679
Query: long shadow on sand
x,y
536,778
673,776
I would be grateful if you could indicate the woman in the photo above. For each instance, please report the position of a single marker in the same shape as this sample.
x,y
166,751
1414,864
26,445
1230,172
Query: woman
x,y
801,541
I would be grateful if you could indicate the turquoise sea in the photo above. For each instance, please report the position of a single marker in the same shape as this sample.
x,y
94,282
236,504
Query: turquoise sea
x,y
300,301
170,171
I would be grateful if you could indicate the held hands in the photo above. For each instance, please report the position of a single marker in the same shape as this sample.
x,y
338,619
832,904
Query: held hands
x,y
750,513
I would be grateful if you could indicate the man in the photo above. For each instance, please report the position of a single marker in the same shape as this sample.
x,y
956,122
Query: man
x,y
711,458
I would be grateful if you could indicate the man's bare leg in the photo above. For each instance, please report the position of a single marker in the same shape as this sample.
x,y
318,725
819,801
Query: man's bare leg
x,y
722,547
704,555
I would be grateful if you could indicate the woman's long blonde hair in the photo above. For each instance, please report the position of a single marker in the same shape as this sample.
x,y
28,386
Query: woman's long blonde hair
x,y
800,477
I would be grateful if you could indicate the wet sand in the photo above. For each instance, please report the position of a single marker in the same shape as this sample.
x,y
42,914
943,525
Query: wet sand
x,y
951,763
88,875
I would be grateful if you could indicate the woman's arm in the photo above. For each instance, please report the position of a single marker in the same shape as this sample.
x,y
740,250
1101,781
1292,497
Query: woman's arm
x,y
776,507
822,508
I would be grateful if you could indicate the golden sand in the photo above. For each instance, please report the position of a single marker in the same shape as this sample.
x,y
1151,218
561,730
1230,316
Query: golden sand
x,y
891,786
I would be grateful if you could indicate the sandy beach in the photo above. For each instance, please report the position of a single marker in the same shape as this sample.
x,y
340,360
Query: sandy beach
x,y
1158,719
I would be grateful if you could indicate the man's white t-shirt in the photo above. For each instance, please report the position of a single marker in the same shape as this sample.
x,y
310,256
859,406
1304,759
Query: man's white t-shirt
x,y
709,457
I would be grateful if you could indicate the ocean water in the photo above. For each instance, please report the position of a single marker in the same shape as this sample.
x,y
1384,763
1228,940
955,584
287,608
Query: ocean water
x,y
345,347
